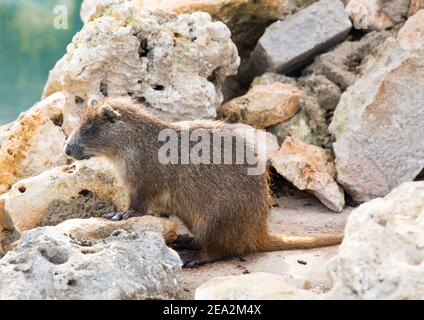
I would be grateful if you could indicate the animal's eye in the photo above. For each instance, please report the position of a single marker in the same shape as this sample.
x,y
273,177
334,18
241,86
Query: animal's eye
x,y
91,131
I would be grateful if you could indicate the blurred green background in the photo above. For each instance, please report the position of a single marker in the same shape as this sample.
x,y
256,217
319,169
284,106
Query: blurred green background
x,y
29,47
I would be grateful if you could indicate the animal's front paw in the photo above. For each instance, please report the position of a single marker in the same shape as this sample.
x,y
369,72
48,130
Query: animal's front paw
x,y
118,216
191,259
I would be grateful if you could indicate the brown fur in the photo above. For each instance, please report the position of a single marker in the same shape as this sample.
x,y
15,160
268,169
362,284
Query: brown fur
x,y
225,208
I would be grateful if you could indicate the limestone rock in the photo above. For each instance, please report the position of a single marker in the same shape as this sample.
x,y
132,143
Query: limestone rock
x,y
246,19
382,253
49,265
4,129
255,286
375,14
34,143
310,168
378,122
172,65
263,105
94,229
289,44
343,64
82,190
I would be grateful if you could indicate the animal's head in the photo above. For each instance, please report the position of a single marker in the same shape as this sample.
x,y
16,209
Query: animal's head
x,y
96,135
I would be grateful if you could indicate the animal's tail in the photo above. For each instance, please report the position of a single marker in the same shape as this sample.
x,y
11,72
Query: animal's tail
x,y
280,243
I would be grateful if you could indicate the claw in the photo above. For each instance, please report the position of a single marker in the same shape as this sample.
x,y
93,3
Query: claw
x,y
118,216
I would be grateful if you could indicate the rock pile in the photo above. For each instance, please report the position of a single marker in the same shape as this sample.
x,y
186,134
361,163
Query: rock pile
x,y
336,85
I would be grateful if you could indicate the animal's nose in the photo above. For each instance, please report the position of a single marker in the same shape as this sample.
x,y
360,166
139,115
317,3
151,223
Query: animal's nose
x,y
68,150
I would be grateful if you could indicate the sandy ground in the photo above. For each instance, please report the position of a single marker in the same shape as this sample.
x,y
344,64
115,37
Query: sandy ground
x,y
297,214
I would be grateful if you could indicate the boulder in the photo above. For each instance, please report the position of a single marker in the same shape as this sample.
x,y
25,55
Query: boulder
x,y
290,44
343,64
246,19
382,253
310,168
81,190
50,265
255,286
376,14
172,65
263,105
34,143
378,122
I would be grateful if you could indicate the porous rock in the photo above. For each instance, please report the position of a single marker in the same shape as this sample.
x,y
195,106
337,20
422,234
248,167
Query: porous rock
x,y
33,143
377,14
382,253
49,265
172,65
82,190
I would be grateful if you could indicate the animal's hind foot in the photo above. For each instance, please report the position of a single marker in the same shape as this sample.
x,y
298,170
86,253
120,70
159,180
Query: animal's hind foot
x,y
118,216
185,241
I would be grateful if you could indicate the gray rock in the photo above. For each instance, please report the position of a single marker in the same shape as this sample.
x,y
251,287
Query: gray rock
x,y
326,91
343,64
47,264
289,44
378,124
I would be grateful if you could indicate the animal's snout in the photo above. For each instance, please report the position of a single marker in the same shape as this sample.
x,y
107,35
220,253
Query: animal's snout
x,y
75,151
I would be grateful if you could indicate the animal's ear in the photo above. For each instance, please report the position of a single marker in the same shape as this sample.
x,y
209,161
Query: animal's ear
x,y
109,114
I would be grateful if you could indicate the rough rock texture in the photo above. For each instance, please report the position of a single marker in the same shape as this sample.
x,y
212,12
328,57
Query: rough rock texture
x,y
297,127
377,14
82,190
310,124
327,92
4,129
382,253
414,6
310,168
378,122
95,229
289,44
34,143
255,286
246,19
48,264
343,64
173,65
263,105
